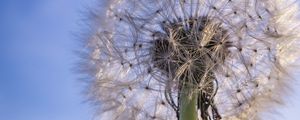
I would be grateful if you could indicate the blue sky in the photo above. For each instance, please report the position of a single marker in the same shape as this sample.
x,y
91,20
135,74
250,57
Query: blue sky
x,y
36,47
36,60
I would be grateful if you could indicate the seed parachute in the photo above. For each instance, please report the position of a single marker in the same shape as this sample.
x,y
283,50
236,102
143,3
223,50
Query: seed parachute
x,y
203,59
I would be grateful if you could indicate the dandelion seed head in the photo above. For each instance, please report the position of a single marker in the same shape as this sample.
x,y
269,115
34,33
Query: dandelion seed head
x,y
239,52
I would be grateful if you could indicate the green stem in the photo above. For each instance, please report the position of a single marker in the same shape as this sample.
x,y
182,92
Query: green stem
x,y
188,103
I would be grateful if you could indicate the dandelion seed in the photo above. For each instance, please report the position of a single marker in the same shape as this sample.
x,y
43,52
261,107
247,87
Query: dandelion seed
x,y
226,59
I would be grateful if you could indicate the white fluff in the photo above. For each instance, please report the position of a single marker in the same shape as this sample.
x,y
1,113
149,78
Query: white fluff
x,y
125,88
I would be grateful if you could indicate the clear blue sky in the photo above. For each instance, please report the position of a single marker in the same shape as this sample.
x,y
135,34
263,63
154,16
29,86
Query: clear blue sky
x,y
36,81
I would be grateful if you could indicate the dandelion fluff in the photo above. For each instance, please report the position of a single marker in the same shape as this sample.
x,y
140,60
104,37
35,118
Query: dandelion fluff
x,y
235,54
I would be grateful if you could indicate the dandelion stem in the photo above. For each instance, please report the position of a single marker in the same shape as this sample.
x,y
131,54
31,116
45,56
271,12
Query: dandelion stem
x,y
188,103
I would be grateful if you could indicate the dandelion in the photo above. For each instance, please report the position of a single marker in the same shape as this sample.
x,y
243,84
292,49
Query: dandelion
x,y
191,59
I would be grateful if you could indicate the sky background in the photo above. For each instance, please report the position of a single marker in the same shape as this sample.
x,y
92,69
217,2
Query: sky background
x,y
36,61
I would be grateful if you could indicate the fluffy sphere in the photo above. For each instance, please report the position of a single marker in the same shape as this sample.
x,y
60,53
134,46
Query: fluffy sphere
x,y
240,52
